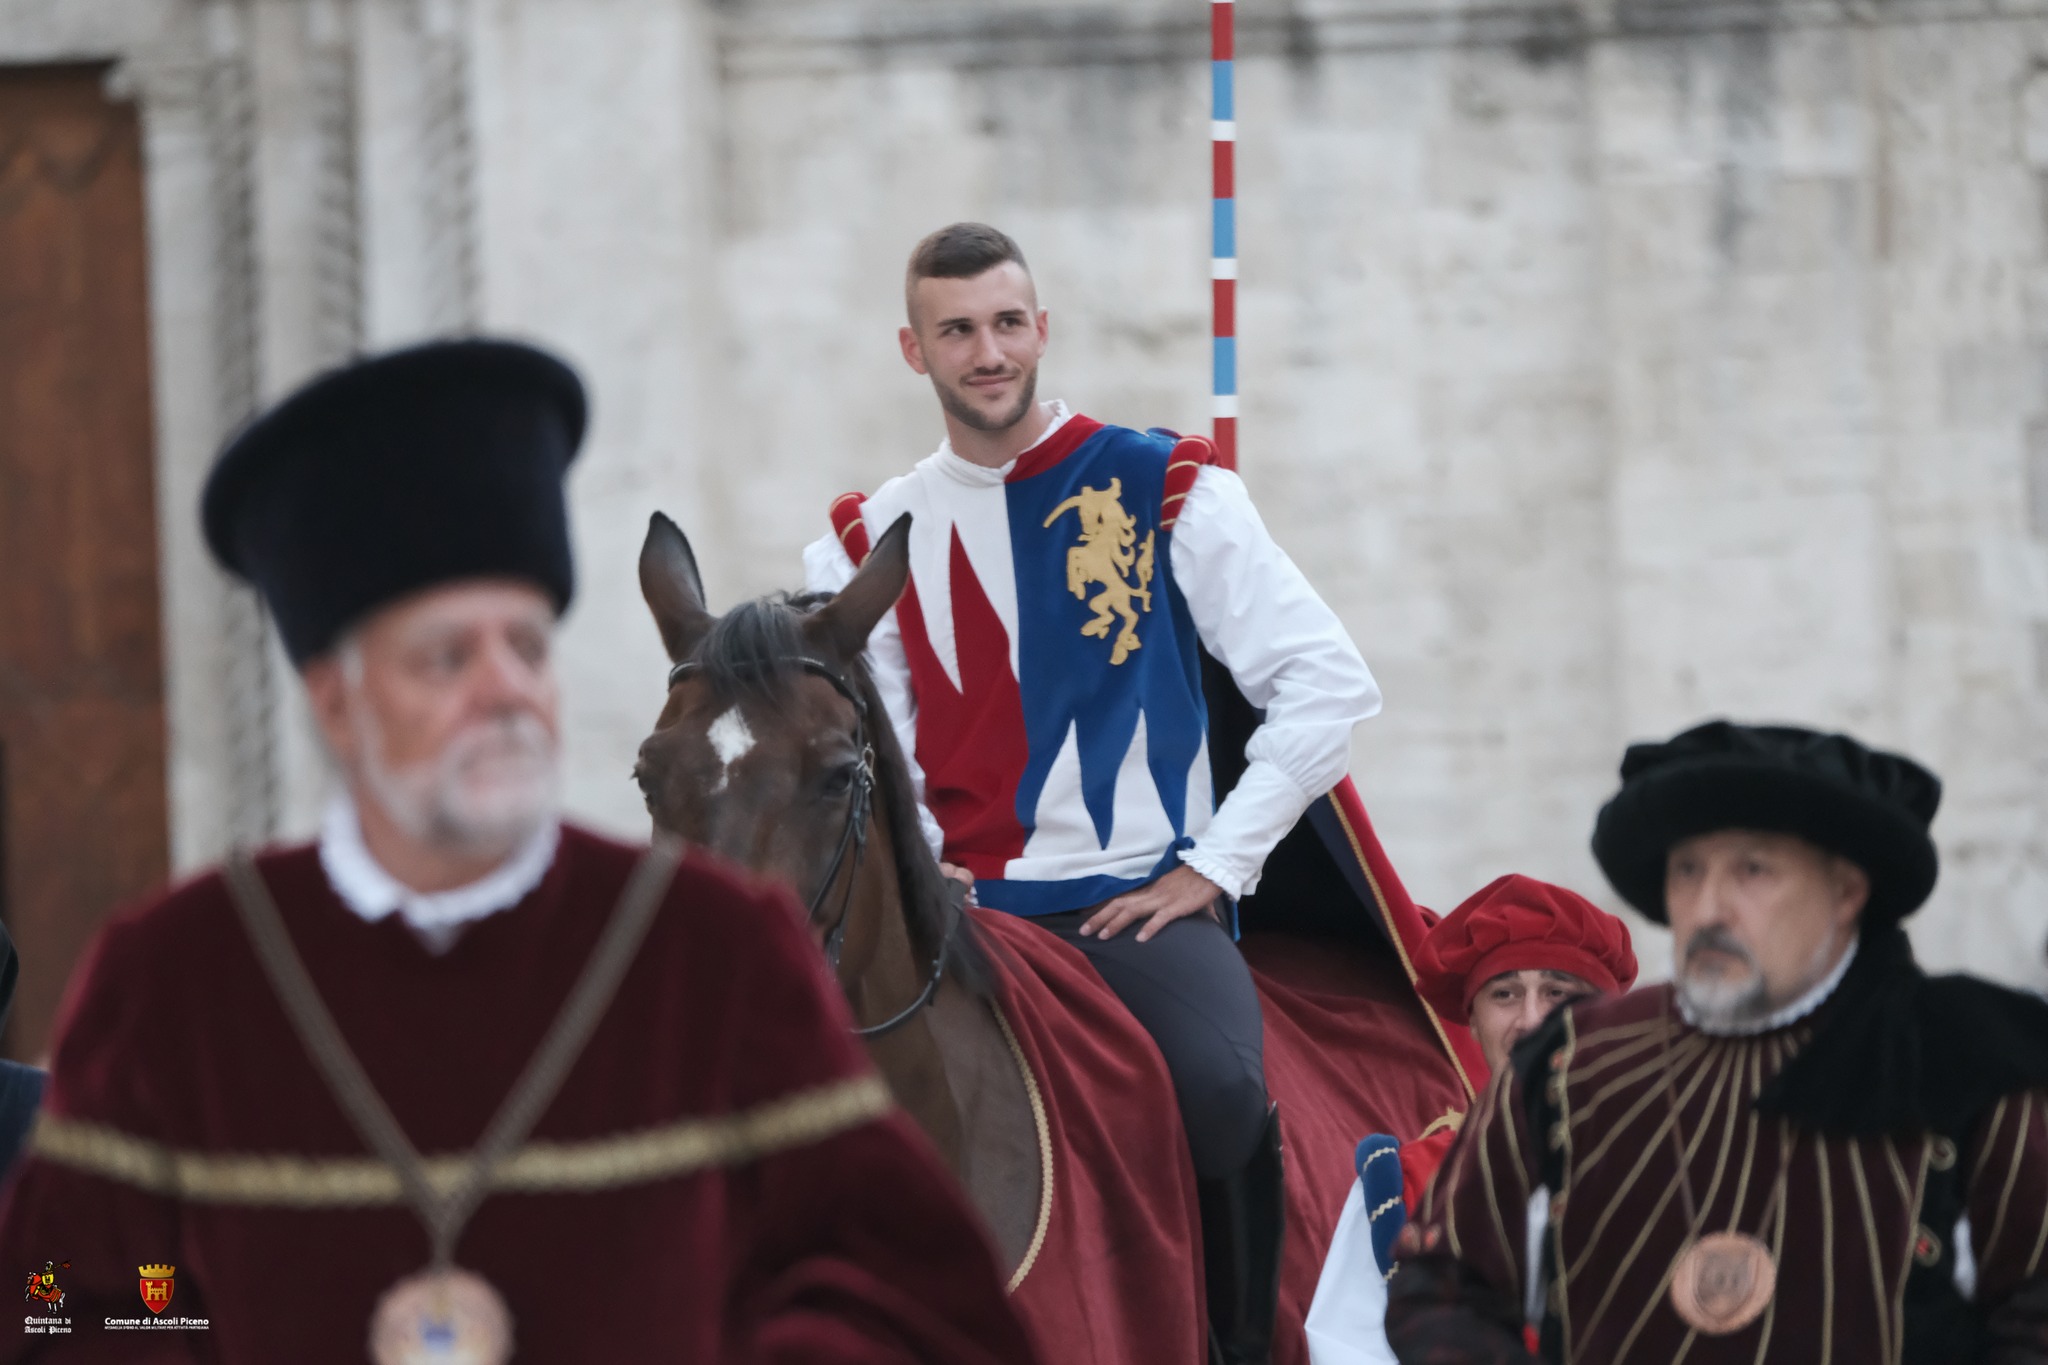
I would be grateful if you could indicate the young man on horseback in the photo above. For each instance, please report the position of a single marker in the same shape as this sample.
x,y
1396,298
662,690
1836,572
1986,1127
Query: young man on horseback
x,y
1043,672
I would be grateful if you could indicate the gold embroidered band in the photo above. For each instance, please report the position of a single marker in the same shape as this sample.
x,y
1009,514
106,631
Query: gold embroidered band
x,y
653,1154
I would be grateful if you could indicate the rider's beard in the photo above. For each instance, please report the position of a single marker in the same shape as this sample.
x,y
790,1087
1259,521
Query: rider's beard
x,y
490,788
970,416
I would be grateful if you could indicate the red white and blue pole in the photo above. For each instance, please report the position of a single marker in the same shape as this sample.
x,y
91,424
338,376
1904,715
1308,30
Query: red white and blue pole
x,y
1223,228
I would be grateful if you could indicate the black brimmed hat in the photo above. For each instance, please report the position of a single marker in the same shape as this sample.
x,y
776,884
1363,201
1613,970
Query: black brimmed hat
x,y
398,473
1871,807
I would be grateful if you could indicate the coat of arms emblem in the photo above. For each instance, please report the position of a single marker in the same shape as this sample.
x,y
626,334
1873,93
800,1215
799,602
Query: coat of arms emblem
x,y
156,1286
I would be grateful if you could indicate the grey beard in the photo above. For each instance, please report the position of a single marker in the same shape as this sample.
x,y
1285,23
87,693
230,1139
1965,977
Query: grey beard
x,y
1730,1007
1724,1006
434,804
967,415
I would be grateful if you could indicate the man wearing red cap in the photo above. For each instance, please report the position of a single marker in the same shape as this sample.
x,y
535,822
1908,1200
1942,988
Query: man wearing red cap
x,y
1503,961
1514,952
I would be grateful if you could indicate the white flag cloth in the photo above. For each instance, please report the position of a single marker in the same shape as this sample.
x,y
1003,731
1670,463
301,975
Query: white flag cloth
x,y
1347,1320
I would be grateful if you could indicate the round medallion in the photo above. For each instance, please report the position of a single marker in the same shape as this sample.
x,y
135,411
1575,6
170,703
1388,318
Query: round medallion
x,y
441,1317
1722,1282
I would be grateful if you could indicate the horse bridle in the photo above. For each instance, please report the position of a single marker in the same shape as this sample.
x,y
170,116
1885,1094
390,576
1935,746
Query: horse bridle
x,y
853,841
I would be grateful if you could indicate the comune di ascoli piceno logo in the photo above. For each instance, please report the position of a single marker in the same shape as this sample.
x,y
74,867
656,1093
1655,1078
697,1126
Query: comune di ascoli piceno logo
x,y
158,1283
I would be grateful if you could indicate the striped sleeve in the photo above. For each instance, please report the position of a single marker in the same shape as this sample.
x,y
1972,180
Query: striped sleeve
x,y
2008,1196
1457,1288
1480,1198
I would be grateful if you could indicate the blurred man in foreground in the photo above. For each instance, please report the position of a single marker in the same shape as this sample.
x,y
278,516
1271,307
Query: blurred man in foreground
x,y
1802,1150
1505,960
462,1079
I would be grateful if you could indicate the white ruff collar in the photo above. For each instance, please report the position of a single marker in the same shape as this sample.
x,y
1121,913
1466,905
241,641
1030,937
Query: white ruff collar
x,y
371,892
1784,1015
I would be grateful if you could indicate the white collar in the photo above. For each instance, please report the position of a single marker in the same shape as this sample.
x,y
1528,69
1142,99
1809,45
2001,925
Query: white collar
x,y
1785,1015
980,475
437,917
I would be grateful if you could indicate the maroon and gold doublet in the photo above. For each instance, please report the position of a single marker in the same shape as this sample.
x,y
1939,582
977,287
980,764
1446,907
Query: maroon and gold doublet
x,y
721,1177
1601,1121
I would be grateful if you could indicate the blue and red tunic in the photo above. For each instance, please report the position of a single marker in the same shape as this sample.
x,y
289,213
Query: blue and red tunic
x,y
1059,720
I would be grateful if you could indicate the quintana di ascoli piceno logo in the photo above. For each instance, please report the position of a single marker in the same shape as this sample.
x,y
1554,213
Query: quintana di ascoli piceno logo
x,y
43,1288
156,1286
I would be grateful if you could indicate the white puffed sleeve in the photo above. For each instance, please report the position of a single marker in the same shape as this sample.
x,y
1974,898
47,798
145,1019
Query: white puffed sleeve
x,y
1257,614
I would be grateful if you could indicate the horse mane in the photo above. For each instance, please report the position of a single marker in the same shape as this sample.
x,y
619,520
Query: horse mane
x,y
752,651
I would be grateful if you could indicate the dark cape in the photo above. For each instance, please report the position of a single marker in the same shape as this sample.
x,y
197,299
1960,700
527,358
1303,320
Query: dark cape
x,y
1902,1051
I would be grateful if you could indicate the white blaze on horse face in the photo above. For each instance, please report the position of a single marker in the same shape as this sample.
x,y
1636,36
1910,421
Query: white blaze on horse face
x,y
730,740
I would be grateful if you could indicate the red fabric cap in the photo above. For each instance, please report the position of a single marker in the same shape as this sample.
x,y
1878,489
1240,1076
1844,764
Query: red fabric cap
x,y
1520,924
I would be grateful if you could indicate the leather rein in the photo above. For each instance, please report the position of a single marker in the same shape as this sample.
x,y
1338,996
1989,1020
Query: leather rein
x,y
853,843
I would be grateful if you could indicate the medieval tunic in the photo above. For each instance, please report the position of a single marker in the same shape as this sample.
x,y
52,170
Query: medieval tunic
x,y
720,1178
1575,1156
1042,668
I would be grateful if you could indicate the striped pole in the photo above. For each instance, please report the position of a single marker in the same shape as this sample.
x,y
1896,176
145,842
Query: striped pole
x,y
1223,229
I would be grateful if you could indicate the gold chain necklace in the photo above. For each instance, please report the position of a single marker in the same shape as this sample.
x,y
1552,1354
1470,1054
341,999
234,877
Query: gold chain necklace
x,y
1721,1282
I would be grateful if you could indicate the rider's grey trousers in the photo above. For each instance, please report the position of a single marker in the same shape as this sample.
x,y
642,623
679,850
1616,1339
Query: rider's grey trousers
x,y
1190,989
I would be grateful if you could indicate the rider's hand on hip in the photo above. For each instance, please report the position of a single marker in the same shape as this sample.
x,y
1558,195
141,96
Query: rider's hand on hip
x,y
1178,894
961,875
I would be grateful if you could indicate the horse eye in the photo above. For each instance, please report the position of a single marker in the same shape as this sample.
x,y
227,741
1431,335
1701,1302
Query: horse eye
x,y
839,780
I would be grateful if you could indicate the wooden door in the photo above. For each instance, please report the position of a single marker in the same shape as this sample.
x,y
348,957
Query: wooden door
x,y
83,820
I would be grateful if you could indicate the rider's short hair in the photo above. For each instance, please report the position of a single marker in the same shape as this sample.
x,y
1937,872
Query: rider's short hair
x,y
960,251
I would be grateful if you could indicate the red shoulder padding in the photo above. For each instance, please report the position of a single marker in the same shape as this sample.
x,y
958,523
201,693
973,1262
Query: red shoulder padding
x,y
852,531
1190,453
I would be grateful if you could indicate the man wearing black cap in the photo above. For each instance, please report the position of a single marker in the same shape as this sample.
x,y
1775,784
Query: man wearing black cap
x,y
1802,1150
461,1079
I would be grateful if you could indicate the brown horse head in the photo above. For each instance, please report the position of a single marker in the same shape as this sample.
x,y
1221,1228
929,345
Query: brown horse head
x,y
758,756
771,728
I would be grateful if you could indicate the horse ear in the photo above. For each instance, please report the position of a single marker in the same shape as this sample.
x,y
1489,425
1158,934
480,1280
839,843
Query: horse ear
x,y
674,591
842,625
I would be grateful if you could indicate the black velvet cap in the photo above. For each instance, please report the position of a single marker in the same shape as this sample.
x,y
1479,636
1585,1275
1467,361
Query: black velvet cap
x,y
397,473
1871,807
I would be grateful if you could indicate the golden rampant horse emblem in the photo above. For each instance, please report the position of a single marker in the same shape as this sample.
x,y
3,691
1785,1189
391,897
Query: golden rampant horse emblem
x,y
1108,556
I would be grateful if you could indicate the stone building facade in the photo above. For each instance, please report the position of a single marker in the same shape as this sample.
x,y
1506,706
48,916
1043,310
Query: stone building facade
x,y
1608,364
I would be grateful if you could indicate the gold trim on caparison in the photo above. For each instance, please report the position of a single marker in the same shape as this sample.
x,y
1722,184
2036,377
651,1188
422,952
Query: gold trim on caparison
x,y
279,1181
1400,949
1043,1127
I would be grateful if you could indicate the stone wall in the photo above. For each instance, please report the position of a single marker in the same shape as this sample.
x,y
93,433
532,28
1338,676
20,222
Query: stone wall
x,y
1606,365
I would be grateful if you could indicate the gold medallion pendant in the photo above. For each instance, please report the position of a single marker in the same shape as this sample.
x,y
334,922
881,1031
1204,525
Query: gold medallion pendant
x,y
441,1317
1722,1282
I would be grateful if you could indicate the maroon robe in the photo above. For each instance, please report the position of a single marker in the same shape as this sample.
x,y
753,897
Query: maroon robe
x,y
1842,1216
720,1178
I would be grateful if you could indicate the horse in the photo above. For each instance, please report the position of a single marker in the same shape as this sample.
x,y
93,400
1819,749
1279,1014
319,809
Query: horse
x,y
1034,1084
